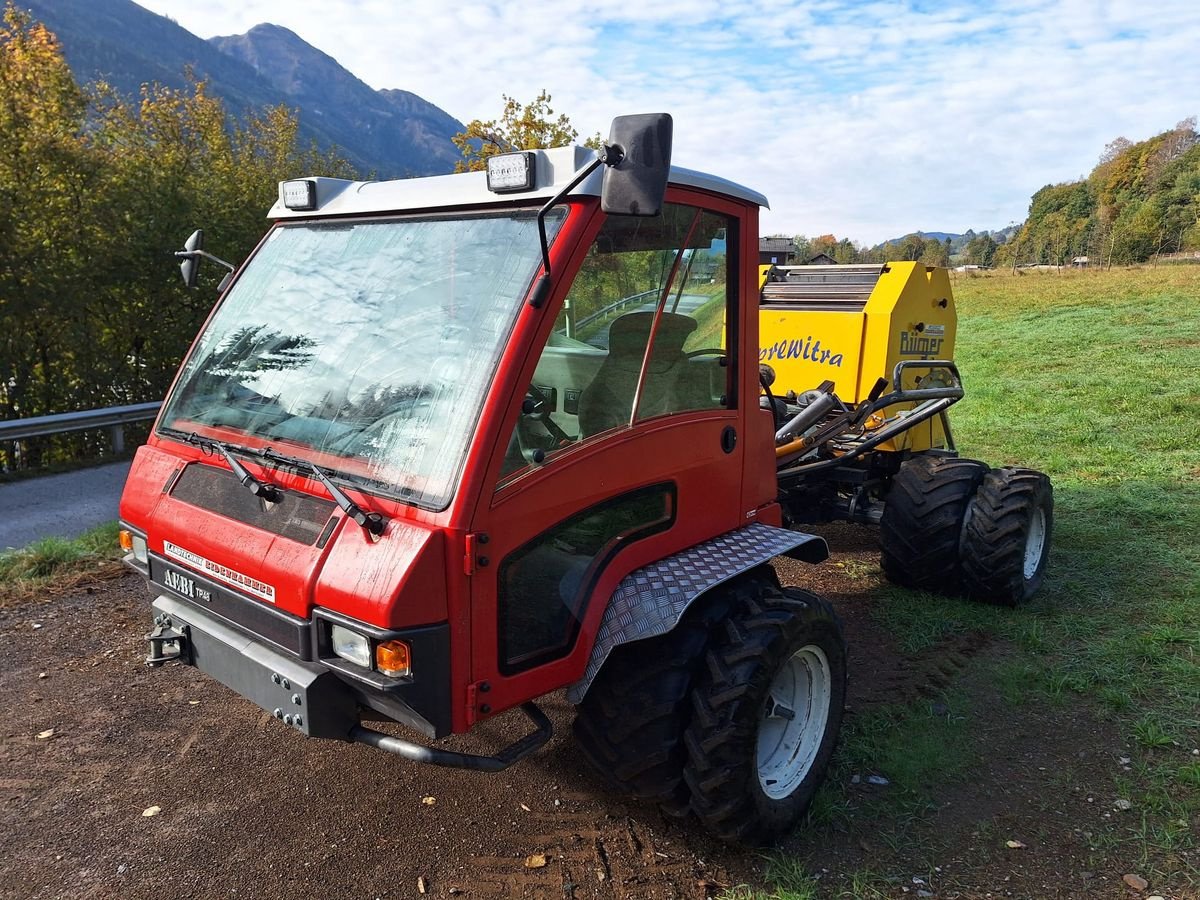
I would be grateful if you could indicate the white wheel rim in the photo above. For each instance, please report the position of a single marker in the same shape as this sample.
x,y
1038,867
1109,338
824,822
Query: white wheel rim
x,y
1035,543
794,718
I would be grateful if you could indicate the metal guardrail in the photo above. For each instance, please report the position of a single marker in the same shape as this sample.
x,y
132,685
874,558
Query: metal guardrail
x,y
614,307
114,418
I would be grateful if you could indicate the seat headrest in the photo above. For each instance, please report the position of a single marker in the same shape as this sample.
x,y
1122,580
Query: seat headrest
x,y
627,335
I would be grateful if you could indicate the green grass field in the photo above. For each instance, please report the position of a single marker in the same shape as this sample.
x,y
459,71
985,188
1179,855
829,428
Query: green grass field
x,y
1095,379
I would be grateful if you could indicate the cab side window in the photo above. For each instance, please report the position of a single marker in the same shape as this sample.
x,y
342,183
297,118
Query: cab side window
x,y
664,278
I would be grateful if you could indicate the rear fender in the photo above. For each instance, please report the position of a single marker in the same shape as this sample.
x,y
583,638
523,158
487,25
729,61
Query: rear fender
x,y
650,601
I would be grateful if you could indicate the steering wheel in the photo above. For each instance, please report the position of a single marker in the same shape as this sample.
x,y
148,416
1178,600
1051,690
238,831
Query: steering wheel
x,y
536,407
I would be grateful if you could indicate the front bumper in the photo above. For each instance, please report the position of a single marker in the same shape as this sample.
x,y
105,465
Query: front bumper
x,y
306,696
420,701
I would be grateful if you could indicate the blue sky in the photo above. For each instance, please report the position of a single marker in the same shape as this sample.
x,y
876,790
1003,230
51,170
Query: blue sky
x,y
865,119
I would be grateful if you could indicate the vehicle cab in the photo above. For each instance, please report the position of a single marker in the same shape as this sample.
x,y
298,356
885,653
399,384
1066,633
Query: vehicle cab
x,y
431,425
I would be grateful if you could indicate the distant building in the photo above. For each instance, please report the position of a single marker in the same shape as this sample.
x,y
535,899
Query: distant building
x,y
774,251
822,259
1080,262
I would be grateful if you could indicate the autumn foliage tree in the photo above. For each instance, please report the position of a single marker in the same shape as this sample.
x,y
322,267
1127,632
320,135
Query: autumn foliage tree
x,y
521,126
96,192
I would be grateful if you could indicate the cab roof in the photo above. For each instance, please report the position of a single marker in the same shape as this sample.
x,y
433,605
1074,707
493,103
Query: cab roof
x,y
555,169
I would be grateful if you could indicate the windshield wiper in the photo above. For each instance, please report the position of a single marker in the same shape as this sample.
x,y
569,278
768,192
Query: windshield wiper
x,y
265,490
372,522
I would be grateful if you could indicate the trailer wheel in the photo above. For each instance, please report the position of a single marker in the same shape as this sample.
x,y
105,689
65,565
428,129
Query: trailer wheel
x,y
630,724
922,522
1006,542
766,713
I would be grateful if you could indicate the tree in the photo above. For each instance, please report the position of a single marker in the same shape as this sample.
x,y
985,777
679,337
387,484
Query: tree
x,y
980,250
520,127
804,250
47,175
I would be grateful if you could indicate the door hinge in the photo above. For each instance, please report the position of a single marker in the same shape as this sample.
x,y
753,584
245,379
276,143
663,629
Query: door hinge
x,y
472,698
469,555
477,701
472,557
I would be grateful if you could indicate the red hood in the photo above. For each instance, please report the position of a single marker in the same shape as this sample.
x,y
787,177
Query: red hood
x,y
295,554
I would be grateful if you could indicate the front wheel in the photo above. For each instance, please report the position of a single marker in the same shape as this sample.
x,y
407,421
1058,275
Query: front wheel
x,y
766,714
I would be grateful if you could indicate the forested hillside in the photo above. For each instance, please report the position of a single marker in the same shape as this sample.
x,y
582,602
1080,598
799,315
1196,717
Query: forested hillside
x,y
96,192
1140,200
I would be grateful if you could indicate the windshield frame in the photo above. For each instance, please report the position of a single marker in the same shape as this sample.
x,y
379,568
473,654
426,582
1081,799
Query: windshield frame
x,y
349,469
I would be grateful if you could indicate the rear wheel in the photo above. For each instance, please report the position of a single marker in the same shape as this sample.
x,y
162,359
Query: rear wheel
x,y
923,519
1006,541
766,713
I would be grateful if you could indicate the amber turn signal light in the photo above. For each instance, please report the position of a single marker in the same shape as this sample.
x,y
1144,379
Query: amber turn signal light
x,y
392,658
126,539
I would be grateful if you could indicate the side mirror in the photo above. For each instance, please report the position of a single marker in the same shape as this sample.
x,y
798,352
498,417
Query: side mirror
x,y
189,266
635,185
190,256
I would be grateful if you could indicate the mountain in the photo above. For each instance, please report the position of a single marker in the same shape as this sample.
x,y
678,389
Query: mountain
x,y
392,133
379,121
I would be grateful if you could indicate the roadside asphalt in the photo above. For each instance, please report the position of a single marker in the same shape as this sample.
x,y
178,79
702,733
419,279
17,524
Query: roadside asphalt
x,y
63,505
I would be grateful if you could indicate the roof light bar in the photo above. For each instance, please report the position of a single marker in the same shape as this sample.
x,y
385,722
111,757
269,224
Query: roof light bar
x,y
299,194
509,173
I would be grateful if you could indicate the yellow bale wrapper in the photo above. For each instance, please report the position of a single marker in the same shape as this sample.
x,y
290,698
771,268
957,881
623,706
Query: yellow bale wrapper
x,y
851,325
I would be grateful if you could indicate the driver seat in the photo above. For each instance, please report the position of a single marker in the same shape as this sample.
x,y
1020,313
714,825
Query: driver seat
x,y
672,383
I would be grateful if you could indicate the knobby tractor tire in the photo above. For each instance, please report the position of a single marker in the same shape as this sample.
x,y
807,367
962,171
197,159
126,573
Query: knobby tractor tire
x,y
766,713
631,722
1006,541
922,522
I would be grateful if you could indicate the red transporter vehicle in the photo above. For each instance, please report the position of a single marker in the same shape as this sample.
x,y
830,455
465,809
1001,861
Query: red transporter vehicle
x,y
448,444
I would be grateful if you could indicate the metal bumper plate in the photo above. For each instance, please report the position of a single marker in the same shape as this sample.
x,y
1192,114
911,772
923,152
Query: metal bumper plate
x,y
651,600
308,697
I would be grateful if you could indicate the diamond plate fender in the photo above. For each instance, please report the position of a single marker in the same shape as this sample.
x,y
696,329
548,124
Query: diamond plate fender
x,y
650,601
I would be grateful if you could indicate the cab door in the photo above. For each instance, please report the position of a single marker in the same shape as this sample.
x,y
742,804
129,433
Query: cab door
x,y
626,447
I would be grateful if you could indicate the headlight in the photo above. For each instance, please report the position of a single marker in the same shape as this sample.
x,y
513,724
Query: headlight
x,y
509,172
135,544
351,646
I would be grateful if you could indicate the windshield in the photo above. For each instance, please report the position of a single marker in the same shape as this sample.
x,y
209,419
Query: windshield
x,y
371,344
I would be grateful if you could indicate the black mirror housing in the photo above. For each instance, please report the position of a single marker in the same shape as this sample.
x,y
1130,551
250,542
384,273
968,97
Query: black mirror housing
x,y
635,185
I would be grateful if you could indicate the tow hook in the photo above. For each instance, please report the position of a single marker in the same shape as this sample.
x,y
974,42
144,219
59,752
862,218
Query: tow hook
x,y
166,641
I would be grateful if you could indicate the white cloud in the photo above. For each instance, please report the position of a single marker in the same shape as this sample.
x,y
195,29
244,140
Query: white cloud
x,y
865,119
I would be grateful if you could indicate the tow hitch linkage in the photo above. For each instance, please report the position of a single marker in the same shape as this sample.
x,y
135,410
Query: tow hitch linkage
x,y
166,641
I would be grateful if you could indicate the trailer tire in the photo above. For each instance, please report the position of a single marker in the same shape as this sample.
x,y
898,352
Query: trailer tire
x,y
922,523
1006,541
766,713
630,723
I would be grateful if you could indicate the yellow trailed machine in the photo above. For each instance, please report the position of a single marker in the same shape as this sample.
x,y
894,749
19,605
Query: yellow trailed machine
x,y
858,366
